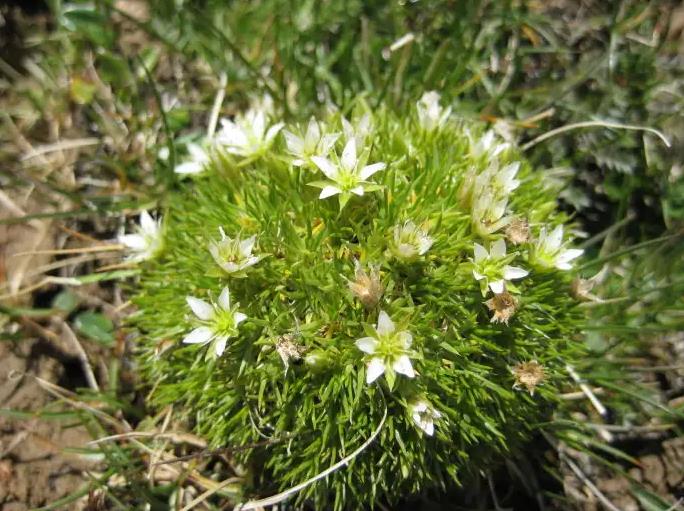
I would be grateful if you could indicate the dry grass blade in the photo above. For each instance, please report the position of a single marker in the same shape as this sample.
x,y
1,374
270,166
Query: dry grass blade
x,y
280,497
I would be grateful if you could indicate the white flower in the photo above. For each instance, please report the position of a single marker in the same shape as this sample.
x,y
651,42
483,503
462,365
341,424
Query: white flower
x,y
233,255
409,241
548,251
388,350
430,114
490,268
424,415
148,240
312,144
503,180
346,177
488,213
197,162
486,146
359,132
247,134
219,322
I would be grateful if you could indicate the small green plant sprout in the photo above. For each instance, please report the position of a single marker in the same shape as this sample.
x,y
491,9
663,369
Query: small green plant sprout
x,y
147,241
490,268
233,256
378,356
409,242
389,350
219,322
548,251
312,143
424,415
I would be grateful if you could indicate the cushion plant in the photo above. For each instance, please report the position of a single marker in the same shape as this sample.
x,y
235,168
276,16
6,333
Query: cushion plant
x,y
397,281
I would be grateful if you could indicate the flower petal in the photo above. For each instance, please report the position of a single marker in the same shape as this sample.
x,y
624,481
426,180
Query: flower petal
x,y
402,365
357,191
327,142
147,223
239,317
498,249
424,244
220,345
294,143
133,241
369,170
497,286
202,309
385,324
480,253
200,335
568,255
329,191
313,133
375,369
327,167
197,154
367,345
224,299
189,167
272,132
554,240
513,272
247,245
349,155
405,338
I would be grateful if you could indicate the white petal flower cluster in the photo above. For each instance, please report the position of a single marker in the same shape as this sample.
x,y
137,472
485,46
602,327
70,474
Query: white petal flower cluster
x,y
197,163
409,242
248,134
548,251
487,146
218,322
359,131
490,268
147,241
346,176
487,193
233,255
431,115
313,143
424,415
389,351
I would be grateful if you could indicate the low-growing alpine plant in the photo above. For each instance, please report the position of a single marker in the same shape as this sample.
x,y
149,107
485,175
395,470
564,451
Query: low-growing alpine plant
x,y
399,279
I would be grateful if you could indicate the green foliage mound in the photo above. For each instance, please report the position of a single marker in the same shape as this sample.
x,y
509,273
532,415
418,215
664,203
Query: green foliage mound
x,y
398,278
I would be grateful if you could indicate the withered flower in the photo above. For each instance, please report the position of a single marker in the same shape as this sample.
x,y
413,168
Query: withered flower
x,y
367,288
528,375
289,350
503,305
518,231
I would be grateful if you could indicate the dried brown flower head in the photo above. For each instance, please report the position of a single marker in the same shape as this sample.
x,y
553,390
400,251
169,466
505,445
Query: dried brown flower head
x,y
289,350
528,375
367,288
503,305
518,231
581,289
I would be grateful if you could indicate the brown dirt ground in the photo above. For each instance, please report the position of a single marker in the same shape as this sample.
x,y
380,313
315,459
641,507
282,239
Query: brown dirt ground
x,y
34,468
